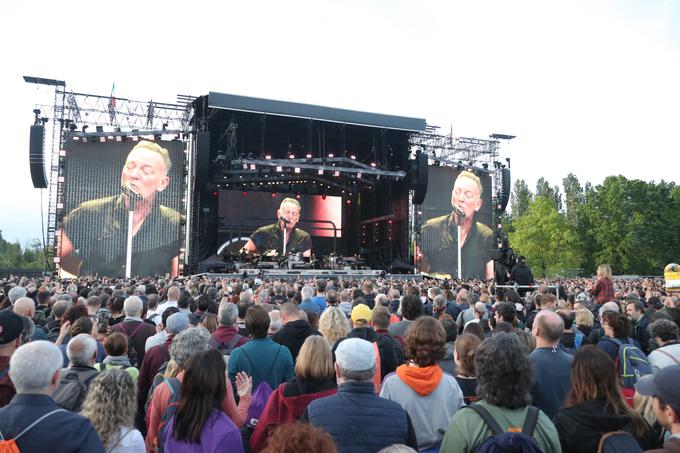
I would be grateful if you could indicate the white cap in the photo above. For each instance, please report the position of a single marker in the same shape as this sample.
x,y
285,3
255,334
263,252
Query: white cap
x,y
355,354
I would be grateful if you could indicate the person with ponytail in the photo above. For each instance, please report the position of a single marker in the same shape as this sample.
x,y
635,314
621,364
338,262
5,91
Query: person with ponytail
x,y
464,355
595,405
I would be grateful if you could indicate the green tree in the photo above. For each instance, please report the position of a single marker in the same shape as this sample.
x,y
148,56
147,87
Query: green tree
x,y
544,237
14,256
543,189
521,197
573,197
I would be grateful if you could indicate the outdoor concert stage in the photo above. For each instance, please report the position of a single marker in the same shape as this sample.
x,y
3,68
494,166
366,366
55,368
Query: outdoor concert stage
x,y
364,184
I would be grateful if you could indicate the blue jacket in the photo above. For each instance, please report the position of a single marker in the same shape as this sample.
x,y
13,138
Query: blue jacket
x,y
63,432
360,421
262,359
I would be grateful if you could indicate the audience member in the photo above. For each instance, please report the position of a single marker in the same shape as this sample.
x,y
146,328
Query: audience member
x,y
110,405
426,393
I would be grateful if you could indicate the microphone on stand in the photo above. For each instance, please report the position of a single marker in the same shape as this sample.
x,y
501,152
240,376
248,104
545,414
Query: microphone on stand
x,y
132,195
460,215
284,220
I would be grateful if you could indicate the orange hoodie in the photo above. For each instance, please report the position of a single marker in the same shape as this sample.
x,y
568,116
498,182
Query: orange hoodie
x,y
423,380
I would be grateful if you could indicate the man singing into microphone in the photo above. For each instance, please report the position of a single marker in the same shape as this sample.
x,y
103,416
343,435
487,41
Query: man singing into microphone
x,y
440,236
94,234
270,237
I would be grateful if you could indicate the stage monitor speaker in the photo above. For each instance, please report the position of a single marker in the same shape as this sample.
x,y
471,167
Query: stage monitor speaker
x,y
203,161
504,196
36,156
419,172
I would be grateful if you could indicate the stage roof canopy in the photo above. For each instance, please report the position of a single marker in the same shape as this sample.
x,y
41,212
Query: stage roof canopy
x,y
314,112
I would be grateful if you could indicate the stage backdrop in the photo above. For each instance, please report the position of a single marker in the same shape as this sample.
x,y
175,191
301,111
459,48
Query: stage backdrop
x,y
241,214
95,219
438,239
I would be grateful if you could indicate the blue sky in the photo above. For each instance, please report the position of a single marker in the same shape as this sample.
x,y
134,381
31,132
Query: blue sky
x,y
587,87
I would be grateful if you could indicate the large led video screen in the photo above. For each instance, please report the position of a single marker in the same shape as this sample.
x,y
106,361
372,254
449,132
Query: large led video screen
x,y
250,215
457,200
106,181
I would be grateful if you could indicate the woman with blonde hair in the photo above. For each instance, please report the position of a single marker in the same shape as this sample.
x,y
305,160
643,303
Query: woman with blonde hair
x,y
603,291
584,321
314,378
333,325
110,405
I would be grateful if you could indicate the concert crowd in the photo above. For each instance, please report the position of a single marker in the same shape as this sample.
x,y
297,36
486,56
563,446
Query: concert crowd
x,y
208,364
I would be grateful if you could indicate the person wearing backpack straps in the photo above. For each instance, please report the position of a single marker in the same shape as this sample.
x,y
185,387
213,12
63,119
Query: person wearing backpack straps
x,y
35,370
135,329
504,390
226,335
630,361
186,344
116,346
595,412
261,357
75,380
663,387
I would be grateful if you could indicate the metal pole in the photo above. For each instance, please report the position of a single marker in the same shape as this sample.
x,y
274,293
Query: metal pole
x,y
128,254
460,273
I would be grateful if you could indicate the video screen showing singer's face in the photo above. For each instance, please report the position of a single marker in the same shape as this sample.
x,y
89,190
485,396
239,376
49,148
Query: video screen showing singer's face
x,y
291,212
99,177
145,172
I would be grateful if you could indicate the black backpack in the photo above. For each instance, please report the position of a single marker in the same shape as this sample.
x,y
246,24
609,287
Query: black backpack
x,y
72,389
509,441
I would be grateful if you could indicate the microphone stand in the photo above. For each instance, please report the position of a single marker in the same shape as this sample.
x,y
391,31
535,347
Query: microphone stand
x,y
132,198
459,220
128,252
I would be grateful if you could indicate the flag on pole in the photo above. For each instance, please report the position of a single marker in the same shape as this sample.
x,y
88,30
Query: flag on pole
x,y
112,105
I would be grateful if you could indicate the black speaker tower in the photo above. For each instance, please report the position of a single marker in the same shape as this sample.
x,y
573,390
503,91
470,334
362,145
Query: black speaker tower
x,y
36,156
419,172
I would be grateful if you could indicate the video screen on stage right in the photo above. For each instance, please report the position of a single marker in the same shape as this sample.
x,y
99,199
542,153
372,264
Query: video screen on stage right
x,y
457,217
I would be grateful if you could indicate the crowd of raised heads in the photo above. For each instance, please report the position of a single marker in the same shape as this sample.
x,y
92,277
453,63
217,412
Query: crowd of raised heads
x,y
207,364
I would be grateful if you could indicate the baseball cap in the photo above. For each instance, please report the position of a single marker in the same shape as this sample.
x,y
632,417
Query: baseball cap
x,y
361,312
480,307
355,354
11,326
176,323
662,384
581,297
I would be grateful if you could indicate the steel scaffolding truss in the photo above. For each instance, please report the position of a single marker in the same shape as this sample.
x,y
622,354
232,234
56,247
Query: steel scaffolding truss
x,y
453,150
73,111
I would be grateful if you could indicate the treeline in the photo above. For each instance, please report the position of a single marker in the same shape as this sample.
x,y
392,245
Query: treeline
x,y
632,225
15,256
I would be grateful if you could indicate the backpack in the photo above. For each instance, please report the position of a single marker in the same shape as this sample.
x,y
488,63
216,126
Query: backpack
x,y
510,441
631,362
53,333
578,342
102,367
261,393
10,445
618,442
133,357
226,348
73,385
173,403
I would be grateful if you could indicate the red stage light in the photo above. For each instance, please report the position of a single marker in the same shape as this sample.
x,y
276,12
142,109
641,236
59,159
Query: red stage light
x,y
349,201
244,193
298,196
323,197
273,194
215,193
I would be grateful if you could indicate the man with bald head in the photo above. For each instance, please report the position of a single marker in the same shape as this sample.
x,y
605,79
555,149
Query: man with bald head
x,y
552,366
173,297
25,306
